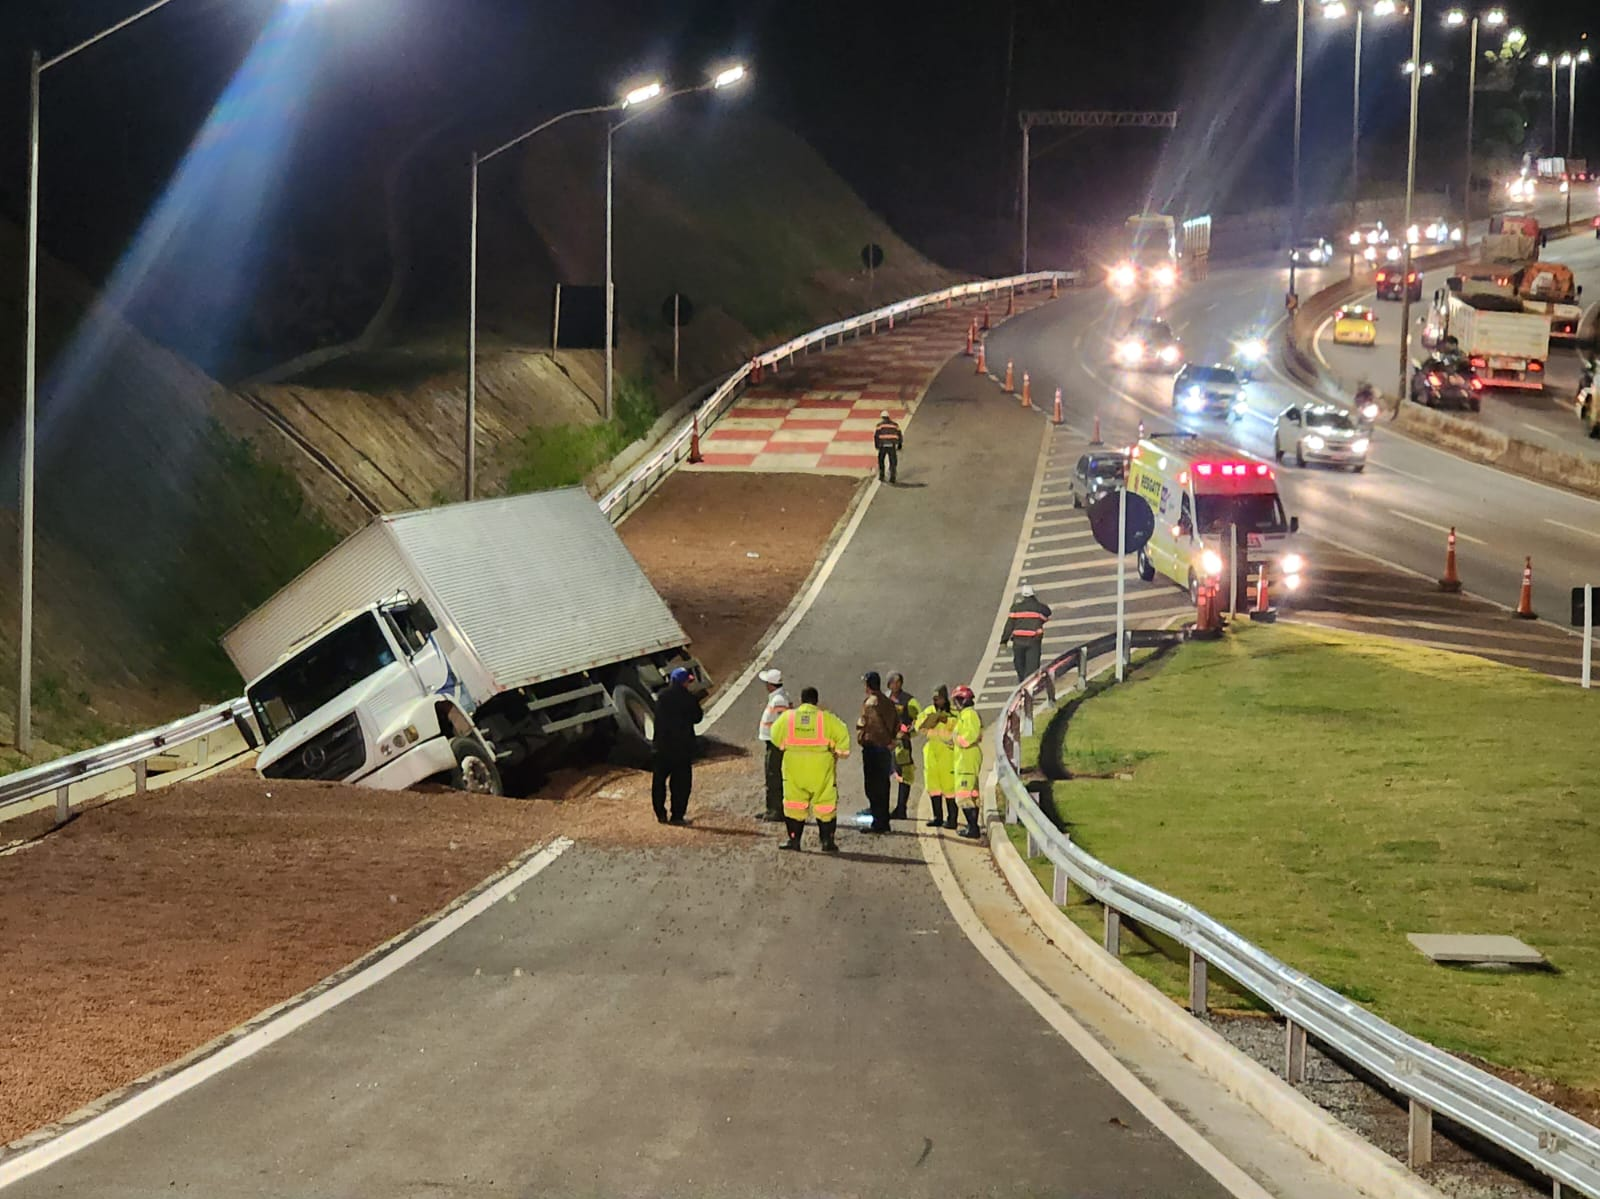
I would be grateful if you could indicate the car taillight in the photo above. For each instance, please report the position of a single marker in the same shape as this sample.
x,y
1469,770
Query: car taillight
x,y
1535,366
1382,275
1433,380
1476,363
1477,385
1412,277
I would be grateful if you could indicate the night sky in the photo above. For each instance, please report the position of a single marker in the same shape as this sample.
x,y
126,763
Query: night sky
x,y
909,100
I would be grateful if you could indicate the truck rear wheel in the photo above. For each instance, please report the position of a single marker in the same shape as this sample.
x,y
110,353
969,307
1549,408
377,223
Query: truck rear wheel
x,y
636,714
475,770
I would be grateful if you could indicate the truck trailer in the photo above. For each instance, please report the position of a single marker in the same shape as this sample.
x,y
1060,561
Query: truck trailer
x,y
453,642
1506,345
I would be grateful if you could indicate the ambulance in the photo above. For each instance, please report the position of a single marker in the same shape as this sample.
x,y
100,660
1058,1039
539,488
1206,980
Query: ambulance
x,y
1199,487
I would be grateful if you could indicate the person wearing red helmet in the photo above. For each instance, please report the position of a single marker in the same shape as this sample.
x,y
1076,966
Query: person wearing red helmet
x,y
968,740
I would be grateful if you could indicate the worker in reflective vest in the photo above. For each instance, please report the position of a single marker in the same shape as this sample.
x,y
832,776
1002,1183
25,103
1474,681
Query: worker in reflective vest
x,y
1024,631
887,439
968,739
812,741
906,709
937,723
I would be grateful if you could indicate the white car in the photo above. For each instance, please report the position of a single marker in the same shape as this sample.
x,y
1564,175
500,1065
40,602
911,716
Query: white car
x,y
1215,388
1314,251
1320,433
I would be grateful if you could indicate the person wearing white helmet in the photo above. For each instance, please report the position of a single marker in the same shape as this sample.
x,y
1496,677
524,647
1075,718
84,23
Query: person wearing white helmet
x,y
777,704
888,440
1024,631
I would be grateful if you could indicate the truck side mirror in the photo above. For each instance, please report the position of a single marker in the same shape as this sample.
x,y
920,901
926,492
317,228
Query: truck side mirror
x,y
422,620
1294,524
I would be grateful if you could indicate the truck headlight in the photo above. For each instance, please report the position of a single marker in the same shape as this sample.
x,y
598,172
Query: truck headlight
x,y
1123,275
1165,276
1292,564
1359,445
1211,562
1169,354
1130,351
1315,442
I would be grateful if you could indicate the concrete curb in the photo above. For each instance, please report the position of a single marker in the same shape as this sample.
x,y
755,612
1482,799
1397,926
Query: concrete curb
x,y
1347,1155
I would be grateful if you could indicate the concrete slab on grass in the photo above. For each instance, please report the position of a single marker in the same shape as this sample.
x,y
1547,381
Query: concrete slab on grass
x,y
1493,950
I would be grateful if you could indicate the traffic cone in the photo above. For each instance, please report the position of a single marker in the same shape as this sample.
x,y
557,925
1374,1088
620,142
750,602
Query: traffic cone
x,y
1027,390
1095,440
972,335
1263,610
1011,387
1451,581
694,439
982,368
1525,600
1057,418
986,318
1011,302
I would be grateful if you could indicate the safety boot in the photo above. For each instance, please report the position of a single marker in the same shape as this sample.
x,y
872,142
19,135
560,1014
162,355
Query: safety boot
x,y
950,816
972,830
901,799
938,811
796,830
825,829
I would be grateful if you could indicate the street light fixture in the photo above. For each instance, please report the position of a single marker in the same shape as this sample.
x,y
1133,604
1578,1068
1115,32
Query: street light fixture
x,y
635,99
1454,19
1337,11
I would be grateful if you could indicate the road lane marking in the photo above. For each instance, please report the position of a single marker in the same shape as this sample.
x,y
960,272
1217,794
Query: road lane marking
x,y
250,1042
1428,524
1405,473
1561,524
1539,429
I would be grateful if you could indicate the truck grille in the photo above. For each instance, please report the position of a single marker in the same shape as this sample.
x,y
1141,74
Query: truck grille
x,y
333,754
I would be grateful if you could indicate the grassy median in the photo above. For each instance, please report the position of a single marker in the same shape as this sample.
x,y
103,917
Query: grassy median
x,y
1325,794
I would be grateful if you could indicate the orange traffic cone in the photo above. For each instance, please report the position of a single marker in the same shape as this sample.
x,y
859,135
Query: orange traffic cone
x,y
1011,387
1451,581
694,439
972,335
1057,418
986,318
1027,390
1095,440
1525,600
1011,303
1263,610
982,367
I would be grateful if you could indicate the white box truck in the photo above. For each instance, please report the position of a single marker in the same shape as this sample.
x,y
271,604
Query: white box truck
x,y
1506,345
1157,250
452,642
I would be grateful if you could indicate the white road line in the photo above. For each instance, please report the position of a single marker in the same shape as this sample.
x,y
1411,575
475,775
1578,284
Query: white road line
x,y
1561,524
80,1136
1097,562
1395,470
1062,552
1428,524
1057,520
1083,534
1539,429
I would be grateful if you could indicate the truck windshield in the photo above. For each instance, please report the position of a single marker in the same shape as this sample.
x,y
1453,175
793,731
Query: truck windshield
x,y
323,670
1252,513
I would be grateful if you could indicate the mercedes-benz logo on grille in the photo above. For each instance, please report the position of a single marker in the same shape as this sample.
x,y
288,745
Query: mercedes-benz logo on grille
x,y
313,757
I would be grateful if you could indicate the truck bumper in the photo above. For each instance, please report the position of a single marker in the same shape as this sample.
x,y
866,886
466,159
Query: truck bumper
x,y
422,761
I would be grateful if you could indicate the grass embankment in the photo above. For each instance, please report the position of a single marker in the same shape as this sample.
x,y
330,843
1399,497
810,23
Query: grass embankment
x,y
1325,794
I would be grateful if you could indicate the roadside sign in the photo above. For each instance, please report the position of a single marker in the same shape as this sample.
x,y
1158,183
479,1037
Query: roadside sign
x,y
872,255
1578,596
1104,516
1585,604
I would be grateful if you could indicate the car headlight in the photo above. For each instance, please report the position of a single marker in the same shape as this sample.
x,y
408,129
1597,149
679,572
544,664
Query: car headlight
x,y
1124,276
1211,562
1370,253
1292,564
1130,351
1169,354
1359,445
1455,234
1315,442
1165,276
1292,582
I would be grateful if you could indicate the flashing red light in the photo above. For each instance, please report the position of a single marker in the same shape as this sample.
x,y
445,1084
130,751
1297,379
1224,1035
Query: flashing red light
x,y
1202,468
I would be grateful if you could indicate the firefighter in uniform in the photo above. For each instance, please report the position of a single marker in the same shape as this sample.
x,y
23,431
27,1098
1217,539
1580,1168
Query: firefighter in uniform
x,y
937,723
887,439
1024,631
811,741
968,739
905,760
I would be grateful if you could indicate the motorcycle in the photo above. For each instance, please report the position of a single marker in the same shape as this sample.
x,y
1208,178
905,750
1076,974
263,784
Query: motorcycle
x,y
1366,405
1248,356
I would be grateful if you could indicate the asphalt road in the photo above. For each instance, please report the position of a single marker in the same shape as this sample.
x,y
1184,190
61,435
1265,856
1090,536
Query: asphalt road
x,y
1543,418
707,1022
1397,512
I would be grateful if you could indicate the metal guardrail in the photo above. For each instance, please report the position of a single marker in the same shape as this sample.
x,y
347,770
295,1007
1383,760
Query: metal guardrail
x,y
134,751
629,492
1558,1145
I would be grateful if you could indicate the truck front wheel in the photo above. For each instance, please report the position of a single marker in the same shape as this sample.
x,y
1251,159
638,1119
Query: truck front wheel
x,y
475,770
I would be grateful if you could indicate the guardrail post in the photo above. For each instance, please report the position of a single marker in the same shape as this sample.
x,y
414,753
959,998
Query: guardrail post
x,y
1419,1139
141,775
1294,1053
1058,886
63,804
1113,939
202,754
1083,668
1033,848
1198,998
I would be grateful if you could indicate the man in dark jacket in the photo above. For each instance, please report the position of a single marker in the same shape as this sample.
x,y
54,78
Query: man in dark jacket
x,y
887,440
1024,631
877,730
677,712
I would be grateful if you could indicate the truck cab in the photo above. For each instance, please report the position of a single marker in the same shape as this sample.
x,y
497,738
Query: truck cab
x,y
1207,498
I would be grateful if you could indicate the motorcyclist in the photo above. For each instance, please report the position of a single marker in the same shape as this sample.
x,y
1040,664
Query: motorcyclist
x,y
1248,355
1366,407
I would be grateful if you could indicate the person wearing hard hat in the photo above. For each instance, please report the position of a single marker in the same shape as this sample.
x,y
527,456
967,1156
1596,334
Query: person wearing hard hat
x,y
888,440
906,708
677,712
812,741
777,704
937,723
1024,631
968,759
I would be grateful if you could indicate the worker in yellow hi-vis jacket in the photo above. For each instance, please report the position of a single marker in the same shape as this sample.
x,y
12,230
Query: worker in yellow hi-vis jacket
x,y
812,741
968,740
937,723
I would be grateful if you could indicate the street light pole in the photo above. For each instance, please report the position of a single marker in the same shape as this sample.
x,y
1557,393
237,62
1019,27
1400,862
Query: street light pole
x,y
30,374
1026,151
1355,127
1582,56
1411,184
1472,99
1299,77
611,308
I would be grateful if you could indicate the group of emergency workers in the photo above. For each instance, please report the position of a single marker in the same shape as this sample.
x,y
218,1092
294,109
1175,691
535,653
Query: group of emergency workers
x,y
805,743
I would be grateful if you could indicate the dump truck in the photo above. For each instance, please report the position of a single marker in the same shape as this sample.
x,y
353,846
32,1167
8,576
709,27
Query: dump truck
x,y
456,642
1506,345
1512,237
1549,289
